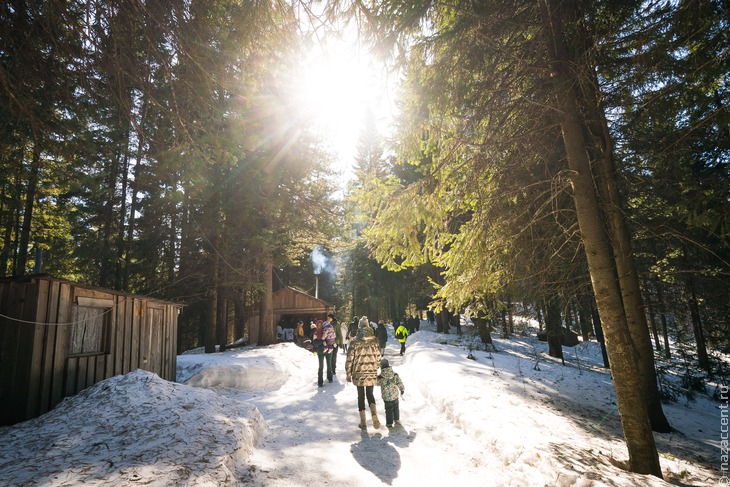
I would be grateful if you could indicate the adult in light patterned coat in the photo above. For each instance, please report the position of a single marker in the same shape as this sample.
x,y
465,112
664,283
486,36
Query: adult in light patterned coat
x,y
361,366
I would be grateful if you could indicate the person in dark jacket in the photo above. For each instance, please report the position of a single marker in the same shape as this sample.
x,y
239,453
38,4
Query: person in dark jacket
x,y
431,317
381,334
352,330
338,339
319,349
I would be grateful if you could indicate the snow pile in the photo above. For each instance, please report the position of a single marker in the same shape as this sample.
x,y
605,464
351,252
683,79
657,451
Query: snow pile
x,y
249,369
133,428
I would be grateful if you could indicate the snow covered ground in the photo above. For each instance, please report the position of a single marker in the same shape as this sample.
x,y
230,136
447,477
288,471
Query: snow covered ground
x,y
255,416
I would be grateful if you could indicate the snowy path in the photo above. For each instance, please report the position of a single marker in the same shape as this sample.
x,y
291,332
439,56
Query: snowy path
x,y
492,422
318,442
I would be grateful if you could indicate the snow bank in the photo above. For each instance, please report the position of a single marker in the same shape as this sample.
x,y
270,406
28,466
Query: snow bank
x,y
541,421
133,428
247,369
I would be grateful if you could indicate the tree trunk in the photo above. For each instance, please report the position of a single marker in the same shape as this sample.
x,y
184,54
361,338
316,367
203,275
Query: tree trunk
x,y
663,313
108,228
239,321
510,317
222,322
11,213
630,398
28,210
629,279
599,336
267,327
697,329
483,330
505,323
212,314
554,329
584,312
119,267
609,197
652,320
132,222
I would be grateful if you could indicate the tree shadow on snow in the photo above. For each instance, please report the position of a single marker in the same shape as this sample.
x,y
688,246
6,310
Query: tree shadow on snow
x,y
378,455
581,466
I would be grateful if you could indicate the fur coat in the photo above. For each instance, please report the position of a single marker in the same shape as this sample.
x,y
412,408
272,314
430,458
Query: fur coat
x,y
363,359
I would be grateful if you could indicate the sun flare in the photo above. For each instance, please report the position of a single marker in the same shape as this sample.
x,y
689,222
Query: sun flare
x,y
335,91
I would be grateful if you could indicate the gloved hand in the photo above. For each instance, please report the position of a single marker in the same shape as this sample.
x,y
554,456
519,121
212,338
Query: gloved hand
x,y
349,378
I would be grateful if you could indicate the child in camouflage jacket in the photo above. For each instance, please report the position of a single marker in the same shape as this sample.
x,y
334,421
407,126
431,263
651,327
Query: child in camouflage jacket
x,y
390,387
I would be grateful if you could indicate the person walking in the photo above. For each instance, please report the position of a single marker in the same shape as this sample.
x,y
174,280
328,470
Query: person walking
x,y
352,329
390,387
381,334
401,334
318,344
345,338
328,345
431,317
337,337
361,366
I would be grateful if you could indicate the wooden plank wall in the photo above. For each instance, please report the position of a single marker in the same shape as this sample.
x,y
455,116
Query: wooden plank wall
x,y
13,333
36,371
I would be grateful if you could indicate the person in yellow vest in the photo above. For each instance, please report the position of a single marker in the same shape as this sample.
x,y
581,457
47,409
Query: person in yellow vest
x,y
401,333
299,334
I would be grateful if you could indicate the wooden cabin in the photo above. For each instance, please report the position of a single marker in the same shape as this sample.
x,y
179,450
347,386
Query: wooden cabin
x,y
58,338
289,306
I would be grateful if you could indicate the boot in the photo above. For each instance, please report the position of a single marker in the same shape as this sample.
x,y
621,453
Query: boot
x,y
376,421
362,420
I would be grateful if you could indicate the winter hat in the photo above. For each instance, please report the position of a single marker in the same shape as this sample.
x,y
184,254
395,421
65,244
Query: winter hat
x,y
384,363
363,322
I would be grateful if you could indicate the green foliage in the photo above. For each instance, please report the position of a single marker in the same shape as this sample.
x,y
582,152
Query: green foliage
x,y
163,141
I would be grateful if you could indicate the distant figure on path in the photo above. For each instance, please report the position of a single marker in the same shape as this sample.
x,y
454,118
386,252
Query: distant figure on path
x,y
382,336
345,339
361,366
431,317
352,330
390,387
401,334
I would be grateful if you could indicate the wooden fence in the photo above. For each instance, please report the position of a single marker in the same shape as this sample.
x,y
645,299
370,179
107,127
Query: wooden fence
x,y
58,337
